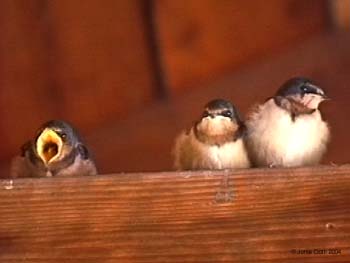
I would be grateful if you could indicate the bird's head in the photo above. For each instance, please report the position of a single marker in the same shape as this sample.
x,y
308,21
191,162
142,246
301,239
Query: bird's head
x,y
303,91
219,122
55,140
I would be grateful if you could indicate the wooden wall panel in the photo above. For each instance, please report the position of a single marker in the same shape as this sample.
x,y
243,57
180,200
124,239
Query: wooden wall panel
x,y
202,40
101,59
87,63
26,94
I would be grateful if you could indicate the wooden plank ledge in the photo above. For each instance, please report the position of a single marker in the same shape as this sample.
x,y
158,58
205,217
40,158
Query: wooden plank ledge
x,y
253,215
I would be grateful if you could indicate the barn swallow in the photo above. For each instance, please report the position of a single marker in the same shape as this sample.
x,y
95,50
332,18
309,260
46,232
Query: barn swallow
x,y
214,142
55,151
288,130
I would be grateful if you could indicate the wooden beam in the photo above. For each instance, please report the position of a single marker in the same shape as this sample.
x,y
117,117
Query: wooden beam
x,y
253,215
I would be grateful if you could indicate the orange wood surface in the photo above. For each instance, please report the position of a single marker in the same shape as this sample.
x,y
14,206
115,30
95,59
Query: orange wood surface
x,y
203,40
101,59
210,216
26,94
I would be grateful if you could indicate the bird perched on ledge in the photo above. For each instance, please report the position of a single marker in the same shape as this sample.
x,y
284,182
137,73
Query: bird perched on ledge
x,y
287,130
56,151
214,142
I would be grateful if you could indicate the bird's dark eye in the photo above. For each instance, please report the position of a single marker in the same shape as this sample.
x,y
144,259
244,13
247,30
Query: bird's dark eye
x,y
63,135
227,113
304,89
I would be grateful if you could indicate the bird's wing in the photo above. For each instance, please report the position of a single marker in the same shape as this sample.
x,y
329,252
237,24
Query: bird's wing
x,y
183,152
20,167
83,151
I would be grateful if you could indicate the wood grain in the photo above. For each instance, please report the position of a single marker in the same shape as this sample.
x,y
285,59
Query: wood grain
x,y
209,216
203,40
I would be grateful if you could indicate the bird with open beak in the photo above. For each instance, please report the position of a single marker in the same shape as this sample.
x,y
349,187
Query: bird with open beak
x,y
216,141
288,130
56,151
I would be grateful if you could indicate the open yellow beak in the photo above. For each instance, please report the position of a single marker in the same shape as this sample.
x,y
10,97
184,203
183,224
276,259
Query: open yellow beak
x,y
49,145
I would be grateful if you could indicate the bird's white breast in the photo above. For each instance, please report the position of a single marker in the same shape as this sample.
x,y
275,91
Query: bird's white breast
x,y
275,139
190,153
229,155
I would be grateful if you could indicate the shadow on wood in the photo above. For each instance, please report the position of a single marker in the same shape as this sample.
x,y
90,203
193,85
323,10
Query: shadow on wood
x,y
254,215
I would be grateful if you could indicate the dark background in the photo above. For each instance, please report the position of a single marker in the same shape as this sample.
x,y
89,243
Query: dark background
x,y
131,74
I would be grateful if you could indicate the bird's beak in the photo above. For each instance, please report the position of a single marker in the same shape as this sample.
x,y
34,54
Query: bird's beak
x,y
49,145
325,97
